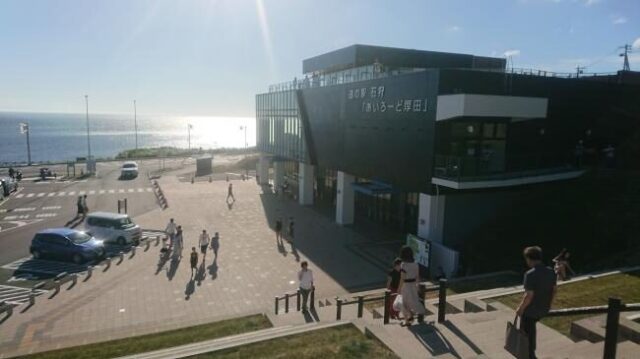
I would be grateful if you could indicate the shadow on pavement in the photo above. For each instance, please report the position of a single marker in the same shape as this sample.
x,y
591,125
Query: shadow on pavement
x,y
173,267
213,269
190,289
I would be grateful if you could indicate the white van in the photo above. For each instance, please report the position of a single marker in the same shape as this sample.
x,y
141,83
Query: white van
x,y
113,228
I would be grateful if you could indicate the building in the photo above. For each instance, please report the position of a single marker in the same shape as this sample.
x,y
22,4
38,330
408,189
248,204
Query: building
x,y
432,143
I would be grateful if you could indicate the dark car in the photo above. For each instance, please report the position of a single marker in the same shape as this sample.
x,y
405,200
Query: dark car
x,y
8,185
66,244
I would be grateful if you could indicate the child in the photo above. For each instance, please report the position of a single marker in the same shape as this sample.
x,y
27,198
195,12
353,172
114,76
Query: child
x,y
194,260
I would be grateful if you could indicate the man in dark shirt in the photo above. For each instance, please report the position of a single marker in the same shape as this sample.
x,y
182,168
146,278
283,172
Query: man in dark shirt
x,y
539,291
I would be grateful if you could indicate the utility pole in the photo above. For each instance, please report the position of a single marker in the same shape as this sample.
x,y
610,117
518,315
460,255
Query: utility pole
x,y
626,50
135,121
86,99
24,129
579,70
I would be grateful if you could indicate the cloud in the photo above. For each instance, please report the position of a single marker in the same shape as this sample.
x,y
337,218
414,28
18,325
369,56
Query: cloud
x,y
511,53
454,28
636,44
590,2
618,20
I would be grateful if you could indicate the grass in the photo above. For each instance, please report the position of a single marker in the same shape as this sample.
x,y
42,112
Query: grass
x,y
345,342
625,286
145,343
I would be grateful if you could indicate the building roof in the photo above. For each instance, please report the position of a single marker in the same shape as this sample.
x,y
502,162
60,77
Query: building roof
x,y
361,55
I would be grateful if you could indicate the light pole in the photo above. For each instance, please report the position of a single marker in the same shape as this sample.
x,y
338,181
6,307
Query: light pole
x,y
86,99
24,129
245,137
135,121
189,127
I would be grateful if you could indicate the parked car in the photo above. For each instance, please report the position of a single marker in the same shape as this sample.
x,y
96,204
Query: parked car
x,y
8,185
129,170
66,244
113,228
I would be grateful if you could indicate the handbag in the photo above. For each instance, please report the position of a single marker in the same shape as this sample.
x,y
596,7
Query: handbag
x,y
516,341
397,303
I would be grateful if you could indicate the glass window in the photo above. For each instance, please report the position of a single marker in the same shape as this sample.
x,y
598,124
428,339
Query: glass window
x,y
488,130
501,130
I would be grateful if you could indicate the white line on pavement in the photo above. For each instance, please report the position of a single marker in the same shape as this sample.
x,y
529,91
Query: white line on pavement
x,y
131,190
149,189
49,208
24,209
51,194
46,215
112,191
30,195
92,192
140,189
20,195
120,191
101,191
71,193
81,193
41,194
60,194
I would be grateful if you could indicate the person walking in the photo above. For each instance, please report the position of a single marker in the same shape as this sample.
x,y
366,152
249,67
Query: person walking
x,y
393,282
305,279
230,193
80,207
171,230
215,244
203,241
408,287
291,225
194,261
84,205
540,290
278,229
177,244
561,265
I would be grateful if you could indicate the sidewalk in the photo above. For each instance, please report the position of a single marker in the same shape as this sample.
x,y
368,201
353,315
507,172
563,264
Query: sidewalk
x,y
143,296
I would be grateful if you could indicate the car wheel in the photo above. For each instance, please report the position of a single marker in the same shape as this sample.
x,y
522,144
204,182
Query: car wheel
x,y
77,259
36,254
121,241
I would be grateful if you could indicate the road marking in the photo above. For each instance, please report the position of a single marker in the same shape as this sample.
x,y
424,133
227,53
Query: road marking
x,y
49,208
31,265
17,294
3,210
24,209
112,191
82,193
71,193
51,194
149,189
140,189
102,191
92,192
20,195
131,190
30,195
60,194
46,215
121,191
10,218
41,194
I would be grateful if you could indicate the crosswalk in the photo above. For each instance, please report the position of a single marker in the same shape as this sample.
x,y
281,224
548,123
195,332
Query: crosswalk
x,y
81,193
16,294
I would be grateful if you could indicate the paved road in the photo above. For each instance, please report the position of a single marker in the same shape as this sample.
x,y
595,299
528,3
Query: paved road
x,y
40,205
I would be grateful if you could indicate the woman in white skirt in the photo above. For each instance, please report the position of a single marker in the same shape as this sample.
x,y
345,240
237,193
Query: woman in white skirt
x,y
409,279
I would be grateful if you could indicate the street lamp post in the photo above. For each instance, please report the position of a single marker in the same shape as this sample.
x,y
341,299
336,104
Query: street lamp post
x,y
189,127
135,121
86,99
24,129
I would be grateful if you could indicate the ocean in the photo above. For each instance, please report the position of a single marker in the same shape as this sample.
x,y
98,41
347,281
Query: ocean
x,y
62,137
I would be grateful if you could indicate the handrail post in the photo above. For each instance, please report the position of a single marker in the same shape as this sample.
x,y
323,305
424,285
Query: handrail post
x,y
611,335
422,293
442,300
360,305
298,300
338,309
286,303
277,305
387,304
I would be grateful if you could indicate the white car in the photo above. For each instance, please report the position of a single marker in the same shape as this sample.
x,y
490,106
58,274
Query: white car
x,y
113,228
129,170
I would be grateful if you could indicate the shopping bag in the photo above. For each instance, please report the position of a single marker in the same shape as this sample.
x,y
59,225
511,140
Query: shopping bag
x,y
397,303
516,341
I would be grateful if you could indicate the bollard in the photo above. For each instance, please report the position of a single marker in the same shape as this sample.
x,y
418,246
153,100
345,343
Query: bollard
x,y
387,304
276,305
56,286
360,305
148,245
118,206
74,279
157,240
312,305
210,179
286,303
611,333
192,180
32,298
442,300
338,308
107,265
89,272
298,300
422,293
121,257
133,251
125,206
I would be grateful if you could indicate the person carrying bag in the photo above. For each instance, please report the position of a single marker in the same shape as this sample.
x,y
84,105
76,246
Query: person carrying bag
x,y
516,341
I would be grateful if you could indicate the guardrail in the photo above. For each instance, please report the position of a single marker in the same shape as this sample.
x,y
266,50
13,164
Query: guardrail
x,y
613,310
297,294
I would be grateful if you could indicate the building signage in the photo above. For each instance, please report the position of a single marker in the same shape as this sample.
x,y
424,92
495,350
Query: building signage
x,y
373,100
421,249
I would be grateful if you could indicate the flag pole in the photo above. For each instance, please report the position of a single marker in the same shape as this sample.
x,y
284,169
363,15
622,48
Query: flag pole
x,y
28,146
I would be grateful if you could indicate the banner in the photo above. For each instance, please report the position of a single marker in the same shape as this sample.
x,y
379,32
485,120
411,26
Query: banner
x,y
24,128
421,249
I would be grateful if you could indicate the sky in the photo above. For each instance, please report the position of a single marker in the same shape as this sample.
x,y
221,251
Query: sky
x,y
210,57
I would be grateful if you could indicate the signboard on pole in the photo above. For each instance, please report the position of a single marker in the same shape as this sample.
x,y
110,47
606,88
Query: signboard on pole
x,y
421,249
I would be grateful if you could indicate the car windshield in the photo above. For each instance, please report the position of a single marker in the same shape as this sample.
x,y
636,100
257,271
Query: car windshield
x,y
129,165
79,237
124,222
